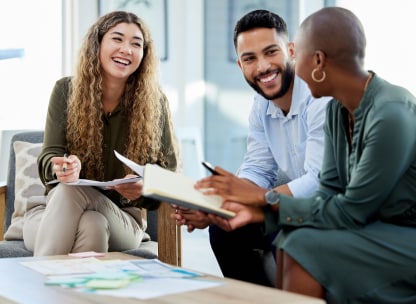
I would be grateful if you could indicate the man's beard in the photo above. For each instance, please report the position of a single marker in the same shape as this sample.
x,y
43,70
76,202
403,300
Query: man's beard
x,y
287,77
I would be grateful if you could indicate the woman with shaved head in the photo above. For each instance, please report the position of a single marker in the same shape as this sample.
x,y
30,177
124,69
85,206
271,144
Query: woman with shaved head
x,y
354,240
361,223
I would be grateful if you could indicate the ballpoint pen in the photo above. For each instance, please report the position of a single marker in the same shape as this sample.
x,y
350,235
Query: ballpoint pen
x,y
64,165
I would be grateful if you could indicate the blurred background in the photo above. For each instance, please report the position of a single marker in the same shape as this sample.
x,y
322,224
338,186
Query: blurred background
x,y
208,95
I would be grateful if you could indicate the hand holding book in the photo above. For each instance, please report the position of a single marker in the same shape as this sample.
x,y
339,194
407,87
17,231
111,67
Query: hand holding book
x,y
178,189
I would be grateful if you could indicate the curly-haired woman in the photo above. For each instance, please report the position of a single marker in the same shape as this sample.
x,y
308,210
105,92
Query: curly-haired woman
x,y
113,102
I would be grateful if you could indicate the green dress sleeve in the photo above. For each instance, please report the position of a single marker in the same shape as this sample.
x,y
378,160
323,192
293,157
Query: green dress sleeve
x,y
375,181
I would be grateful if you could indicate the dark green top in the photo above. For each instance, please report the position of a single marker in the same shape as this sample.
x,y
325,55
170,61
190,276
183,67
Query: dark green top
x,y
376,180
115,136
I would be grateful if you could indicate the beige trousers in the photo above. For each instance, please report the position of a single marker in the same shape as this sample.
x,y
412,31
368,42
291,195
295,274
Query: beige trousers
x,y
78,219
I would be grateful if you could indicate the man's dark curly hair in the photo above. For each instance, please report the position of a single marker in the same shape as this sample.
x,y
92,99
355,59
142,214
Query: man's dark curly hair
x,y
260,19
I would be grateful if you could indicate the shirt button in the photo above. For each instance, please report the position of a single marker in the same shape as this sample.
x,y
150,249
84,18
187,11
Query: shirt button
x,y
300,220
289,219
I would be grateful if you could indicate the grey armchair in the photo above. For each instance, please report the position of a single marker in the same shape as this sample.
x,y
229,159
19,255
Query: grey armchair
x,y
165,235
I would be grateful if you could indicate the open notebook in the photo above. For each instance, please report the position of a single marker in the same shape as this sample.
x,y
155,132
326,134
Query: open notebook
x,y
176,188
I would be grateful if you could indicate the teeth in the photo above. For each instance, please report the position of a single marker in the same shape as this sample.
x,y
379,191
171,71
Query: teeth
x,y
267,79
122,61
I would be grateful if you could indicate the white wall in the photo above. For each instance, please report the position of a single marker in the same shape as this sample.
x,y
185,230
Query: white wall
x,y
26,82
391,43
182,77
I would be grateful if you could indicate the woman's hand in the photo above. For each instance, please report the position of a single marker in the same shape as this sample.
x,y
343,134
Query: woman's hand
x,y
244,215
66,169
130,191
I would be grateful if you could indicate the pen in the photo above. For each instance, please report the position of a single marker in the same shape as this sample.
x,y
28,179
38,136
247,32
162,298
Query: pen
x,y
210,168
64,165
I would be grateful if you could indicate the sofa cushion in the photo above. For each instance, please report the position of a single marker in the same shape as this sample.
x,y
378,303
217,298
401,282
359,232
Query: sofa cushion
x,y
27,184
147,250
13,249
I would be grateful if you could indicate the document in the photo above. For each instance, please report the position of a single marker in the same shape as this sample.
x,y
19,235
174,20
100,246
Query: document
x,y
158,287
140,279
103,185
146,268
175,188
164,185
131,164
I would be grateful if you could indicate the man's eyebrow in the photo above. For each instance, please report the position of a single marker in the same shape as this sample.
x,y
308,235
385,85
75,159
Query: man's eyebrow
x,y
271,46
246,54
121,34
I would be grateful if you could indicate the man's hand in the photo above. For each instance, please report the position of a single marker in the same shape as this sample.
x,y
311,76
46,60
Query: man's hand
x,y
191,218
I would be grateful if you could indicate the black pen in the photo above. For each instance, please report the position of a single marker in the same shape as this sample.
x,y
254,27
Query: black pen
x,y
210,168
64,165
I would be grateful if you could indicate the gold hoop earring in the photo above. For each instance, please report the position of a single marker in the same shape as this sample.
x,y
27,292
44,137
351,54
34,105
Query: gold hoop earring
x,y
316,79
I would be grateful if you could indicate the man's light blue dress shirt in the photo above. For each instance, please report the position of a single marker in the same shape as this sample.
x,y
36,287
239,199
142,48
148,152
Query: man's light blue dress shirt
x,y
286,148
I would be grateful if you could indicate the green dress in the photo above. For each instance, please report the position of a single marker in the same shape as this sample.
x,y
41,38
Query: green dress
x,y
357,235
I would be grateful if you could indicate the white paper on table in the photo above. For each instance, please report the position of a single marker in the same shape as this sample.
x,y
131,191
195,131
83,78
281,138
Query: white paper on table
x,y
64,266
144,267
157,287
158,278
78,266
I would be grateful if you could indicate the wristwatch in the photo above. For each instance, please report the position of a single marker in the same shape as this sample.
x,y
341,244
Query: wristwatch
x,y
272,198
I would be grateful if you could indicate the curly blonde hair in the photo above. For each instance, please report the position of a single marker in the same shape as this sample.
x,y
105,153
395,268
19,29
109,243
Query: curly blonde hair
x,y
142,101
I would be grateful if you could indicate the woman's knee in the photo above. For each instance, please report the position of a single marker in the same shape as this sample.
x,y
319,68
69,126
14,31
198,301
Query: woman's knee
x,y
93,233
32,219
297,279
93,222
64,196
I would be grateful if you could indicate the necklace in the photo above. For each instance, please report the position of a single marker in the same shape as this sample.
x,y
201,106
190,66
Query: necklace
x,y
350,118
350,128
368,81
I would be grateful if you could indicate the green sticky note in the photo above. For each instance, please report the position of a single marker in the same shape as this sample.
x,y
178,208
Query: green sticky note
x,y
69,282
107,284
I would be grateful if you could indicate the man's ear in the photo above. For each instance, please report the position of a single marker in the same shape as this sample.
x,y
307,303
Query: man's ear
x,y
291,50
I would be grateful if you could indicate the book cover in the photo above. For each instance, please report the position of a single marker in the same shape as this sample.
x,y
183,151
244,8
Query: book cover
x,y
176,188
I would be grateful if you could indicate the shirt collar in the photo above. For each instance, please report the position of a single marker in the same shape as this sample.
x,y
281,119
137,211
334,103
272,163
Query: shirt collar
x,y
300,95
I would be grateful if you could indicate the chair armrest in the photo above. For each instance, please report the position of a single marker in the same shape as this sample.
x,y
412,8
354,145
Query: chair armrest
x,y
2,208
168,236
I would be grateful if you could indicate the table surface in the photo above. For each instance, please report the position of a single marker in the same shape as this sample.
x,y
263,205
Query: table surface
x,y
20,284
